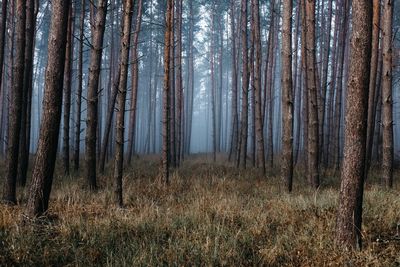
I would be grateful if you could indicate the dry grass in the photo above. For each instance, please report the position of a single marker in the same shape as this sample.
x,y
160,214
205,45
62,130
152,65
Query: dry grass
x,y
211,214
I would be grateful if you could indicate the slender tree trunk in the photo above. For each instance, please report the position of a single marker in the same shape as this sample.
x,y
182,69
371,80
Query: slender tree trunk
x,y
213,89
190,83
135,83
257,86
42,177
287,95
179,85
349,218
333,81
340,79
67,93
269,86
387,95
14,129
166,93
24,142
120,123
79,89
313,135
376,7
92,92
235,117
324,78
245,88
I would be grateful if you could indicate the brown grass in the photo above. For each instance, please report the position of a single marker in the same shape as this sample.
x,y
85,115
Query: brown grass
x,y
211,214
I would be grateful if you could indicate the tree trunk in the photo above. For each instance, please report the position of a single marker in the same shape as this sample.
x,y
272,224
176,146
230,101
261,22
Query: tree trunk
x,y
79,89
179,85
257,86
92,92
313,135
245,88
387,96
235,117
349,218
14,127
166,93
23,160
67,92
269,86
42,177
340,79
135,83
213,89
120,123
376,7
287,95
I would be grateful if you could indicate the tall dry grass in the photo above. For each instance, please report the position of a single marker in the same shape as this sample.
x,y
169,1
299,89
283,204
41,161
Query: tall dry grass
x,y
211,214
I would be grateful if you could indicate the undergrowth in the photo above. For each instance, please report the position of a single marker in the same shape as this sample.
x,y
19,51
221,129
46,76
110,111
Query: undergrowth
x,y
212,214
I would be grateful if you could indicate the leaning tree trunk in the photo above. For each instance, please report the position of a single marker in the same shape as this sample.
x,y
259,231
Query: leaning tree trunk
x,y
349,218
387,96
79,89
92,92
120,123
287,95
67,93
166,93
14,127
42,177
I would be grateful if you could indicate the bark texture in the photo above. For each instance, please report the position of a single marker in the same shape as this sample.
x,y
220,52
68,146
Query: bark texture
x,y
42,177
349,218
14,128
387,97
166,93
92,91
287,95
120,123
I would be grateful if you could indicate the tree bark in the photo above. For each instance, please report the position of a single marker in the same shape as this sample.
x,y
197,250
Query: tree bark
x,y
179,85
67,92
166,92
287,95
92,92
23,160
387,96
122,88
234,101
79,89
245,88
14,128
349,218
313,135
257,87
135,83
376,7
42,177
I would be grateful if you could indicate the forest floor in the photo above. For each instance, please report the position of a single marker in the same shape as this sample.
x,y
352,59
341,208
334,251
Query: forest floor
x,y
211,214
